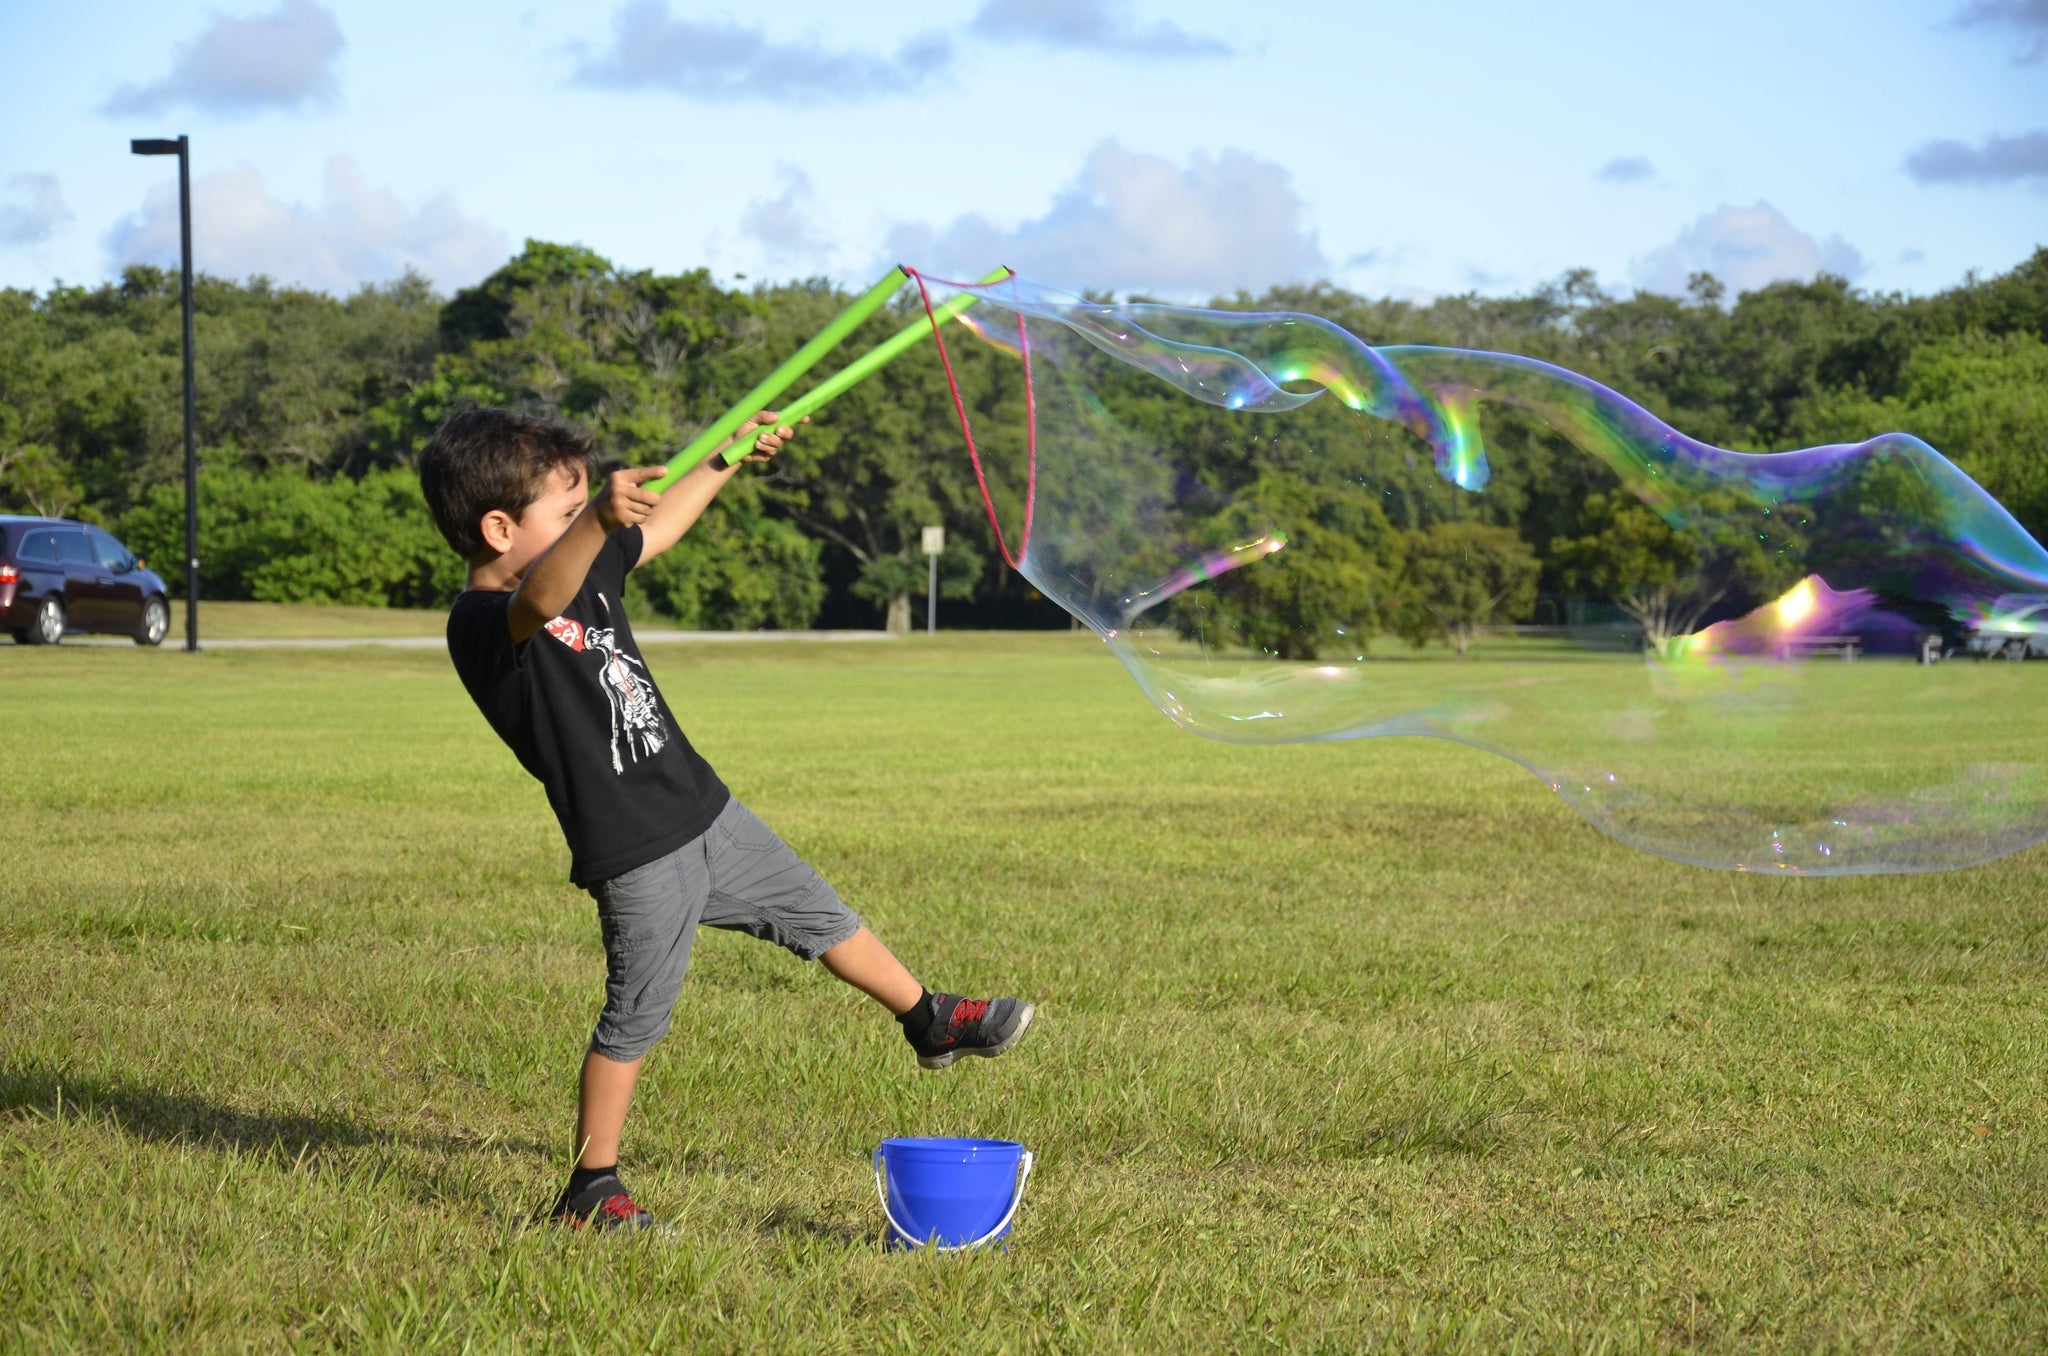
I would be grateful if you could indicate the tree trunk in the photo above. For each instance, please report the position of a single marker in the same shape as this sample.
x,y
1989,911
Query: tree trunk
x,y
898,622
1664,615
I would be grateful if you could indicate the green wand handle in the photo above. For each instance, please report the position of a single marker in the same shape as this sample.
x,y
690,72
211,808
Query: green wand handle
x,y
884,352
776,382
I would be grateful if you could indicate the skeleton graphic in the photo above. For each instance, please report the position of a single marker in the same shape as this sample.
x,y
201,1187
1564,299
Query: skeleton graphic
x,y
636,720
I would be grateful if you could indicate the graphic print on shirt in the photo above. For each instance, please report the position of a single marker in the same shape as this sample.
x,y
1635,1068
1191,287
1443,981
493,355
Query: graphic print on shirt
x,y
636,720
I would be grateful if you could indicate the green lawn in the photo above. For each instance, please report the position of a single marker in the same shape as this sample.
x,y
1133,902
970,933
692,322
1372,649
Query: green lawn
x,y
1340,1045
303,621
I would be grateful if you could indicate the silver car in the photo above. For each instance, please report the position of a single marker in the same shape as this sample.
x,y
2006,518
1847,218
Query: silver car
x,y
2014,626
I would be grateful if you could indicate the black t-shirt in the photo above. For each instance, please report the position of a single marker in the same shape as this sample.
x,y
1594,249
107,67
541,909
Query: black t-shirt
x,y
576,705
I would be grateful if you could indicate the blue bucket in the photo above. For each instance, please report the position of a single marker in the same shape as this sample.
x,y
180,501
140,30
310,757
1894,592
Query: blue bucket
x,y
950,1194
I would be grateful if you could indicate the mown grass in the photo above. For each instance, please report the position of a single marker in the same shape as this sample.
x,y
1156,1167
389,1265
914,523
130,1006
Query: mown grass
x,y
1340,1045
303,621
1722,760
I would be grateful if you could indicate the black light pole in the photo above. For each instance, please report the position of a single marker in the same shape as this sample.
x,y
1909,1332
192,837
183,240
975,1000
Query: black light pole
x,y
182,149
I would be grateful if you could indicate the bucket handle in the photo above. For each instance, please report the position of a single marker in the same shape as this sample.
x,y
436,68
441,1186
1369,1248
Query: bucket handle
x,y
1024,1162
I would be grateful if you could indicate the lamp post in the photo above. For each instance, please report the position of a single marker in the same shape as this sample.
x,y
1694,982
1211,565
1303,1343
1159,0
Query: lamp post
x,y
182,149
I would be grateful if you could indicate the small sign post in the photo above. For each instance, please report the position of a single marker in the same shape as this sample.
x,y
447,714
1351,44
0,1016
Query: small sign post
x,y
934,542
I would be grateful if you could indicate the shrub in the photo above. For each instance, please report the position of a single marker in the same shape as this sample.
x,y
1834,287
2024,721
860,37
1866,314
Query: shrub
x,y
285,537
733,571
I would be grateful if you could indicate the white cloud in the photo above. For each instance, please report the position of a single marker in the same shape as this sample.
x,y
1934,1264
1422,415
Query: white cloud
x,y
1384,271
283,59
2000,160
724,62
1091,25
2028,18
1627,169
1486,280
1745,248
1379,259
1139,223
31,209
356,234
783,224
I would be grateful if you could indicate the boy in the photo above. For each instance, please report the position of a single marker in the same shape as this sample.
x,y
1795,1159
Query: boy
x,y
542,644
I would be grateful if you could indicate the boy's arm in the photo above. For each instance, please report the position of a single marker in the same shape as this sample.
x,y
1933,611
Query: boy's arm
x,y
685,501
551,582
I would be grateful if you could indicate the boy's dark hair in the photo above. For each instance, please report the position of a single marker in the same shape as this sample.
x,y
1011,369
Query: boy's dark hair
x,y
482,459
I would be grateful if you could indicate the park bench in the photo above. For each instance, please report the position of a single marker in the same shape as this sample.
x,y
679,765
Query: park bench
x,y
1803,646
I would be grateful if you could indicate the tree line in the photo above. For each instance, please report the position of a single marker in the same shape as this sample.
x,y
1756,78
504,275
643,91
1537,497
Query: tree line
x,y
313,408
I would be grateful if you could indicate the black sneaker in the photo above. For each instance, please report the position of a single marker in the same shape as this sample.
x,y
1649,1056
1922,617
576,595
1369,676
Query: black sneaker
x,y
604,1206
970,1026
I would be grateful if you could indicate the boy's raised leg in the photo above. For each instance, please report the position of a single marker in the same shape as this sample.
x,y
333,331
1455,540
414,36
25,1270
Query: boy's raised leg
x,y
940,1027
862,961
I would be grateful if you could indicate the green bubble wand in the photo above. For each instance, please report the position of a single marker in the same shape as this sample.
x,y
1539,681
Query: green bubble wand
x,y
801,361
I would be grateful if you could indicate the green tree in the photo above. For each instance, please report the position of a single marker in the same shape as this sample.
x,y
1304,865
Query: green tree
x,y
634,357
328,389
1727,548
1316,566
1980,399
1461,578
1633,557
32,480
736,569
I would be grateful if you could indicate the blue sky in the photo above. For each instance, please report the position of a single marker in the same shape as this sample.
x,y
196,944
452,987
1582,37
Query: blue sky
x,y
1182,149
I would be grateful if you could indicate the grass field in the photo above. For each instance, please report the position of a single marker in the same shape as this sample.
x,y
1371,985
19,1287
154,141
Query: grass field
x,y
1345,1045
299,621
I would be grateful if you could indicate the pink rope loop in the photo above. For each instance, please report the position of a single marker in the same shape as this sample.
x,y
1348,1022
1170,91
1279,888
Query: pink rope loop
x,y
967,432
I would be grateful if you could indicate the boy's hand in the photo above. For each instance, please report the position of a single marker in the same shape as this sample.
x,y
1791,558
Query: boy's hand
x,y
622,503
771,442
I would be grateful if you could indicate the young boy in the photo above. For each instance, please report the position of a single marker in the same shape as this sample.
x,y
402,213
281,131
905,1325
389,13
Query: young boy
x,y
543,646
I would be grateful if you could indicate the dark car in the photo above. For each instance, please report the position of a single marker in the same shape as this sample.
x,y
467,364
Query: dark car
x,y
58,576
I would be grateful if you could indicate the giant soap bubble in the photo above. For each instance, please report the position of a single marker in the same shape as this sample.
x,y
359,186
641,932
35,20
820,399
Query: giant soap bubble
x,y
1727,663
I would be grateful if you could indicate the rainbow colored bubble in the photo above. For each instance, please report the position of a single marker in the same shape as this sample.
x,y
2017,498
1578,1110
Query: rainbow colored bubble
x,y
1729,661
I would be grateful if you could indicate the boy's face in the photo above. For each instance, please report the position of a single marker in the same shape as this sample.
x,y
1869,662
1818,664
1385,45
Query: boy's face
x,y
519,541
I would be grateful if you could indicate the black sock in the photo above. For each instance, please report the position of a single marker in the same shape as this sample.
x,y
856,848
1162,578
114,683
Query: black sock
x,y
918,1020
579,1178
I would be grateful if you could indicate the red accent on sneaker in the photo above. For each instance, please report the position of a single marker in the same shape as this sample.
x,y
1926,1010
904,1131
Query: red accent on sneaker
x,y
619,1207
968,1010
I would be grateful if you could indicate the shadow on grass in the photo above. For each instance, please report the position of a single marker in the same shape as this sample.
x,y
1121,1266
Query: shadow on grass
x,y
783,1222
155,1117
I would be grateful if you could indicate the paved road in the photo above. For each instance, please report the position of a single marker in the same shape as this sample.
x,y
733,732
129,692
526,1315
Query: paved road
x,y
176,640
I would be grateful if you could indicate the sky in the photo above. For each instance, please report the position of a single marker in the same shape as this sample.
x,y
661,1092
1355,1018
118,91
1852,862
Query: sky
x,y
1181,149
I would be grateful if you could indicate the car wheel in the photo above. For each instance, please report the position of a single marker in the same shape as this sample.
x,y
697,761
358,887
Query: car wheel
x,y
48,627
2016,650
156,620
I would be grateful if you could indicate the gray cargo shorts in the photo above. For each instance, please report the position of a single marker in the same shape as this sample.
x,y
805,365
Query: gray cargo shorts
x,y
737,875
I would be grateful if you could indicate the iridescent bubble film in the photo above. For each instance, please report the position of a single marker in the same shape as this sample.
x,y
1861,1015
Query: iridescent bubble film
x,y
1797,661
